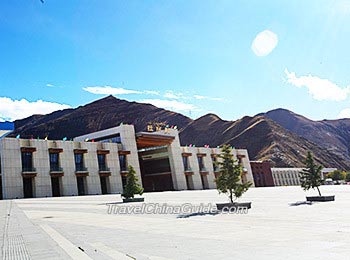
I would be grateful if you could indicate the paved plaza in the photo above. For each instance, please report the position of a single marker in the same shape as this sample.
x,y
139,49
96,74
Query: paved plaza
x,y
81,228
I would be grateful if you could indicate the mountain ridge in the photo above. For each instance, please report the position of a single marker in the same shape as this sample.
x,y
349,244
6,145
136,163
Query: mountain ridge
x,y
276,135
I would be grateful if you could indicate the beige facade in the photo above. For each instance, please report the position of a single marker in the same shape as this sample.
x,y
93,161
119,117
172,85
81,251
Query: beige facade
x,y
290,176
45,168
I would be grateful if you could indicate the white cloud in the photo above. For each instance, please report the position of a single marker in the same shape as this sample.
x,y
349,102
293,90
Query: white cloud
x,y
172,95
151,92
345,113
264,43
170,104
18,109
49,85
207,98
108,90
319,89
169,94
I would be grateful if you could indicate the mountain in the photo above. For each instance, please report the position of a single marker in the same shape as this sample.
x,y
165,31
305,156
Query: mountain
x,y
264,139
279,135
333,135
104,113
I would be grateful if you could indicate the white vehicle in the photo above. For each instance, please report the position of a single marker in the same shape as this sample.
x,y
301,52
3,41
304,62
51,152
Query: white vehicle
x,y
328,181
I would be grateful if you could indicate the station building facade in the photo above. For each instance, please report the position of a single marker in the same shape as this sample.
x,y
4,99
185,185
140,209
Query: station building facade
x,y
291,176
97,163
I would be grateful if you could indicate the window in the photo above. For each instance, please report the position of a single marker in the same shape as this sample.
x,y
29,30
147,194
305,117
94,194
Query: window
x,y
200,163
101,158
215,166
111,139
54,162
122,162
27,161
79,162
185,162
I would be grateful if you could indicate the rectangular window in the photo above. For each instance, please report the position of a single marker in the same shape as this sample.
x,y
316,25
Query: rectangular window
x,y
200,163
79,161
122,162
27,161
102,162
215,166
185,162
54,162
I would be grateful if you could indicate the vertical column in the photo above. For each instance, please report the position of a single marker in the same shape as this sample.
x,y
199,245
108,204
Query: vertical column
x,y
112,160
193,161
246,164
208,164
127,135
176,163
69,180
41,162
11,164
91,163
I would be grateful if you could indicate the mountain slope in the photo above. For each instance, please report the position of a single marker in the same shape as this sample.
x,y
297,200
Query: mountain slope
x,y
101,114
264,139
333,135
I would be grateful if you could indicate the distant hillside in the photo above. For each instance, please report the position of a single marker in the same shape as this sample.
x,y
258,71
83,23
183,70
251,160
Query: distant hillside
x,y
280,135
101,114
333,135
265,140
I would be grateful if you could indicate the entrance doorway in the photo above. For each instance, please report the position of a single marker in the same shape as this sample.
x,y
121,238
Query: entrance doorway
x,y
189,182
155,170
28,188
56,187
81,182
0,188
205,183
104,184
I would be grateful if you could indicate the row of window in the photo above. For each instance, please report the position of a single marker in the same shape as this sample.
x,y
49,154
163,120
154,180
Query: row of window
x,y
27,162
200,160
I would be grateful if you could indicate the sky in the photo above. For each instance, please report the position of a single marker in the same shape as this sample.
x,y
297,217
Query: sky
x,y
231,58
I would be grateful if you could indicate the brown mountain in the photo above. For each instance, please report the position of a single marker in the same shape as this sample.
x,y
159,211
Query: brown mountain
x,y
101,114
264,139
333,135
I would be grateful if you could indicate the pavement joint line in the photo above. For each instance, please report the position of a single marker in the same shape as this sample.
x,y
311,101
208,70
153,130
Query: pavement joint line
x,y
111,252
13,246
73,251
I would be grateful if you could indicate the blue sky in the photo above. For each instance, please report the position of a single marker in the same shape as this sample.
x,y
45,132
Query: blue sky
x,y
194,57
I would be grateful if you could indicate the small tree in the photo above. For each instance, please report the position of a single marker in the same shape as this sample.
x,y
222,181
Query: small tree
x,y
229,180
132,186
347,178
310,176
337,175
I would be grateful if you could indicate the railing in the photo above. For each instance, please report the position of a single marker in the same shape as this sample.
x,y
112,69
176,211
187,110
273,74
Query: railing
x,y
203,169
28,169
56,169
103,169
81,169
124,169
188,169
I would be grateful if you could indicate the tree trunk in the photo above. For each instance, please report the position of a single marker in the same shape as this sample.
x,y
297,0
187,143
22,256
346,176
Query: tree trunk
x,y
231,196
319,193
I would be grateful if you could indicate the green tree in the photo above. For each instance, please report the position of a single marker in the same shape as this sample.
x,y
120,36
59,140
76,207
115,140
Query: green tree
x,y
230,175
337,175
132,186
347,177
310,176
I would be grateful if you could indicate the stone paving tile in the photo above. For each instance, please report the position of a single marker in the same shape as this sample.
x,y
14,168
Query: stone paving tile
x,y
22,239
271,230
